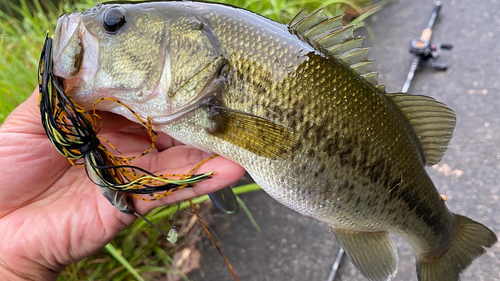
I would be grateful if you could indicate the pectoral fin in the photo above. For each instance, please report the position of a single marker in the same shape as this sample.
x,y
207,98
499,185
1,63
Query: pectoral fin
x,y
253,133
373,253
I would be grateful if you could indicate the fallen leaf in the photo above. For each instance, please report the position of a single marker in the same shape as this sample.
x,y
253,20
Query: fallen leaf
x,y
184,261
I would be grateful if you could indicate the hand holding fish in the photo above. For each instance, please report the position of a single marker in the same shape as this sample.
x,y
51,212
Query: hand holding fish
x,y
53,215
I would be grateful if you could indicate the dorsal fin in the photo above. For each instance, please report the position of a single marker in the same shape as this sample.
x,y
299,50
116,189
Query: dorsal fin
x,y
330,37
346,46
431,120
337,36
324,27
363,67
310,21
355,56
298,17
371,77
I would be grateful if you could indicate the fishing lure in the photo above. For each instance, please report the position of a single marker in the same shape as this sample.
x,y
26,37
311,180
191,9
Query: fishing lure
x,y
73,132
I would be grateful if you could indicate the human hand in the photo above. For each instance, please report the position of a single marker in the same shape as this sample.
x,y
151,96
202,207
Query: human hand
x,y
51,214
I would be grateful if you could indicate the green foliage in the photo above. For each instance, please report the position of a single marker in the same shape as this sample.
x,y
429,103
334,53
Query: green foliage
x,y
284,10
139,250
23,27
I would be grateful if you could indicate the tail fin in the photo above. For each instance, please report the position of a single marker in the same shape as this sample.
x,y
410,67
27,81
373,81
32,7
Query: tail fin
x,y
469,243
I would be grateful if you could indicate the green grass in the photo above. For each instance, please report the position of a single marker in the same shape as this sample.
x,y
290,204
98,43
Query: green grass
x,y
22,32
139,250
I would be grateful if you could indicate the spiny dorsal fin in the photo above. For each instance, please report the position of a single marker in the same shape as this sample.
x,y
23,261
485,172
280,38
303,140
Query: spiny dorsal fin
x,y
363,67
324,27
298,17
355,56
346,46
337,36
330,37
431,120
310,21
381,88
371,77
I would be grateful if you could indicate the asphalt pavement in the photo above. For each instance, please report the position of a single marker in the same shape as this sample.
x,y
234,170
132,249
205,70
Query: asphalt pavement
x,y
294,247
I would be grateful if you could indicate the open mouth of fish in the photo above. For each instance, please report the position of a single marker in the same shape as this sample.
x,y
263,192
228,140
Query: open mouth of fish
x,y
68,49
69,52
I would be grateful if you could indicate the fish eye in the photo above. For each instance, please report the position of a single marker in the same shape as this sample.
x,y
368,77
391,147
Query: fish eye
x,y
114,19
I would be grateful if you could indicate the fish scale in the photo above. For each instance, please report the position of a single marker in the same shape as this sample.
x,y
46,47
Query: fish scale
x,y
298,189
306,104
299,107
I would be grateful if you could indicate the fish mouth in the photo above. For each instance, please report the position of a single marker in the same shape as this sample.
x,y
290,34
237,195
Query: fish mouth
x,y
68,47
75,56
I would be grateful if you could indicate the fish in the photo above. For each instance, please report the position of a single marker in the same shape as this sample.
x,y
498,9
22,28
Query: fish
x,y
297,105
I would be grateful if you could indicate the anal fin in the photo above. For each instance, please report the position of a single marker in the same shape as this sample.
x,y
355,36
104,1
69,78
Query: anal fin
x,y
373,253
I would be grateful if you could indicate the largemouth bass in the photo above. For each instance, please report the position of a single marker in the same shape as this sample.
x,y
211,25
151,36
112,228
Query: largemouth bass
x,y
296,105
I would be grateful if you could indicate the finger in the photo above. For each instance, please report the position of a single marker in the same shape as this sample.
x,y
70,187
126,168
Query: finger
x,y
165,141
112,122
226,173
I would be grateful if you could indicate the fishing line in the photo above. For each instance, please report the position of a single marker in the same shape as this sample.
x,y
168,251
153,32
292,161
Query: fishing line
x,y
153,225
205,228
200,220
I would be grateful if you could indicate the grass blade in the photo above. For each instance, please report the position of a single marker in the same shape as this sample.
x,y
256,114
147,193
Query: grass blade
x,y
246,188
112,250
249,215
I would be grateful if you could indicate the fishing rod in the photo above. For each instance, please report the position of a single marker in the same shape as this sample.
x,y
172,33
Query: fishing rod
x,y
423,51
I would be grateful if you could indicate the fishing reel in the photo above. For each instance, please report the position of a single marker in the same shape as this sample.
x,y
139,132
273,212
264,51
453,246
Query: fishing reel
x,y
424,51
427,51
